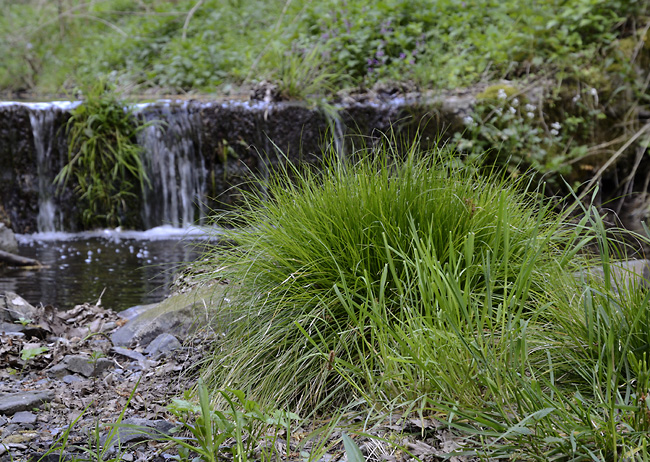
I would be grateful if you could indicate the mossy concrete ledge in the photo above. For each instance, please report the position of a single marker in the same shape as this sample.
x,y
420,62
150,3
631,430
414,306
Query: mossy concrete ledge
x,y
179,315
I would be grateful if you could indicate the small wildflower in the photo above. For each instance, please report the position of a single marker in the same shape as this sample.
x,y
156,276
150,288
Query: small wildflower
x,y
556,125
529,107
469,121
499,111
554,132
530,115
402,55
379,53
512,110
501,94
576,98
325,36
515,102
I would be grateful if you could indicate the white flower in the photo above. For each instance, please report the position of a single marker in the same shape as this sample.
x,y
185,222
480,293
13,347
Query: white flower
x,y
576,98
512,110
530,115
469,121
515,102
529,107
499,111
554,132
556,125
593,92
501,94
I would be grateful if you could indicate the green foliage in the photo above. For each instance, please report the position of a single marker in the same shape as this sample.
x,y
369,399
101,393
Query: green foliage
x,y
416,284
516,133
352,450
30,353
436,43
243,425
332,251
104,161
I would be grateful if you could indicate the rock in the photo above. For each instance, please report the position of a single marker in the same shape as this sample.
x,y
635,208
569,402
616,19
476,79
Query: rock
x,y
87,366
57,371
164,343
14,308
16,402
70,379
135,429
133,355
625,274
24,417
8,241
13,328
135,311
177,315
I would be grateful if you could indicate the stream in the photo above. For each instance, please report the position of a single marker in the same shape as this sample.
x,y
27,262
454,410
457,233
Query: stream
x,y
129,267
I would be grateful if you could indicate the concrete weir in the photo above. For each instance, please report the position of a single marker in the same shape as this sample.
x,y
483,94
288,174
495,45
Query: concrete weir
x,y
200,155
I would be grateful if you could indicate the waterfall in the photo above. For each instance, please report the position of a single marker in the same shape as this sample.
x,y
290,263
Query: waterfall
x,y
174,166
44,132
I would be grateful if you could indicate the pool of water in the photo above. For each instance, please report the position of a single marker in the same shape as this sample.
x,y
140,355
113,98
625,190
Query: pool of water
x,y
129,268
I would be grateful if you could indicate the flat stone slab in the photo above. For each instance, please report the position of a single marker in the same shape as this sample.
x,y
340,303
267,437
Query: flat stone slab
x,y
24,417
625,274
178,315
164,343
87,366
24,401
127,353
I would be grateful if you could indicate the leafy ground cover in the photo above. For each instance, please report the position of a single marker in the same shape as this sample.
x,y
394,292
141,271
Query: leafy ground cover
x,y
199,45
587,60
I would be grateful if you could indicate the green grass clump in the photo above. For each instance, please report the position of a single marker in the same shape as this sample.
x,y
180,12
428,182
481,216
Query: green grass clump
x,y
104,163
327,271
413,286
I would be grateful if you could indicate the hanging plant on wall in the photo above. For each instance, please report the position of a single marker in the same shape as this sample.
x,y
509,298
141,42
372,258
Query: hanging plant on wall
x,y
104,164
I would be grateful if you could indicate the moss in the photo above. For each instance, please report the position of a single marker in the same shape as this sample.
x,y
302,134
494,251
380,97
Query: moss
x,y
492,92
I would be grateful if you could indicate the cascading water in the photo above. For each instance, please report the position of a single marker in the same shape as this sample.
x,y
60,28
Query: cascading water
x,y
43,121
174,166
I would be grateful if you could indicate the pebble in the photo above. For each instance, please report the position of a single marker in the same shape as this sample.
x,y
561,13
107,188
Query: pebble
x,y
69,379
24,417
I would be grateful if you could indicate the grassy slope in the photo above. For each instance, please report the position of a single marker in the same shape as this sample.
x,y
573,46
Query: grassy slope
x,y
50,46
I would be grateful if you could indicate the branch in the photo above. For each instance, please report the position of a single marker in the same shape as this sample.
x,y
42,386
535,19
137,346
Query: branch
x,y
17,260
189,16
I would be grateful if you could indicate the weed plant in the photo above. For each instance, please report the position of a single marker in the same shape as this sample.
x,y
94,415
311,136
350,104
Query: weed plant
x,y
104,162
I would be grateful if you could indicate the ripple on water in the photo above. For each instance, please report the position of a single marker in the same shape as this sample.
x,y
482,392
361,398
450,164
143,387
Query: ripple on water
x,y
134,267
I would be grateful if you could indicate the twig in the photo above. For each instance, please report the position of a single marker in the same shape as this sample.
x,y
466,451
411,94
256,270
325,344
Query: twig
x,y
189,17
613,159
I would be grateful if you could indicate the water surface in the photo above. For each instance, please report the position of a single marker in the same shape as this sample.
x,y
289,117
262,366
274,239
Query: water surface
x,y
130,268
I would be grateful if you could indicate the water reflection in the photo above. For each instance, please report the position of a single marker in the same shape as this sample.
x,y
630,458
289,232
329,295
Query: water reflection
x,y
130,268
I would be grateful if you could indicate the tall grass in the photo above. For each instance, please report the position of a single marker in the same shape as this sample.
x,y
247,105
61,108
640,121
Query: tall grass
x,y
345,276
402,283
